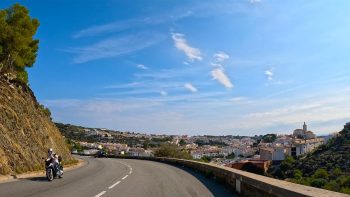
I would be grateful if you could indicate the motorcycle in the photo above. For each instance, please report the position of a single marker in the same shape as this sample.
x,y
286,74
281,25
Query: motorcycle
x,y
53,171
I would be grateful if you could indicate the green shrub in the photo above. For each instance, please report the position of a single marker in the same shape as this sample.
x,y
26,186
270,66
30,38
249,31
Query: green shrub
x,y
318,182
332,185
321,173
345,190
344,180
298,174
170,150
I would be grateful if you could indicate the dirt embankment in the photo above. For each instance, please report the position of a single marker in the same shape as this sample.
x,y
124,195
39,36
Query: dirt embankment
x,y
26,131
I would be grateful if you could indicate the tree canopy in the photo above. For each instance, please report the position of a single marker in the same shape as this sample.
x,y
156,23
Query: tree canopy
x,y
18,48
170,150
269,138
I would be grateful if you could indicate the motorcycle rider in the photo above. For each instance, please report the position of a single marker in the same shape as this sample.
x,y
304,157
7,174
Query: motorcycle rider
x,y
54,158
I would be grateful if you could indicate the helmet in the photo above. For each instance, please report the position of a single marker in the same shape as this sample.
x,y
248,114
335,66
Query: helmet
x,y
49,150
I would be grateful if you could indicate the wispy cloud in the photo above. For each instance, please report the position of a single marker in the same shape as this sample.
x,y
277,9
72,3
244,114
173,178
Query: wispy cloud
x,y
239,100
142,66
163,93
221,56
269,74
202,9
181,44
115,46
139,22
122,86
190,87
218,72
254,1
173,73
219,75
107,28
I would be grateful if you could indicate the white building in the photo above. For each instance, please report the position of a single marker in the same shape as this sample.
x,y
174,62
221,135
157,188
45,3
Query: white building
x,y
301,147
276,153
247,141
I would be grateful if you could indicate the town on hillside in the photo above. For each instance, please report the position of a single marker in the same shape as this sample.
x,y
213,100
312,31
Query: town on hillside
x,y
232,151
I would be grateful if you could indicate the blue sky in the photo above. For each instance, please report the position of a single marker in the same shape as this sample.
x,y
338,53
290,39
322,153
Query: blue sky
x,y
194,67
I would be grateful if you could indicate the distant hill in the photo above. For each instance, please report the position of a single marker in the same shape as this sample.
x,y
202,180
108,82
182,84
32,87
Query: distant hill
x,y
26,130
327,167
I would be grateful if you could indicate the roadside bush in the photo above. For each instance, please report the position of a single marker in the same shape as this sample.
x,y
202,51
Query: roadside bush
x,y
170,150
345,190
318,182
298,174
332,185
321,173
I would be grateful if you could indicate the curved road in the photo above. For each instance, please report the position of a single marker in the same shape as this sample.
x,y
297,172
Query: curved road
x,y
105,177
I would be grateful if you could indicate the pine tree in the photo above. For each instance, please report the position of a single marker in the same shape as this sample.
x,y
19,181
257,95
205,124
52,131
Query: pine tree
x,y
18,48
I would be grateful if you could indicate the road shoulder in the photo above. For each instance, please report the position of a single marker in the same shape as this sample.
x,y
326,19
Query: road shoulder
x,y
16,177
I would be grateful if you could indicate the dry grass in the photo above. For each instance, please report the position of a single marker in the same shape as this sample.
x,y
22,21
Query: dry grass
x,y
26,132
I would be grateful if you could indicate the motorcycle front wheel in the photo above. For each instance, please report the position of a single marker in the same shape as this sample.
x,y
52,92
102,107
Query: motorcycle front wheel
x,y
49,174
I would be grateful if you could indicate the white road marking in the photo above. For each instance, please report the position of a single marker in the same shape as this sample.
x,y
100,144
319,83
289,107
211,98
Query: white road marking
x,y
125,177
100,194
127,165
110,187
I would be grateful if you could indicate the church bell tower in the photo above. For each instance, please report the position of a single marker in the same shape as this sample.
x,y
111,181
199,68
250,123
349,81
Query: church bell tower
x,y
304,127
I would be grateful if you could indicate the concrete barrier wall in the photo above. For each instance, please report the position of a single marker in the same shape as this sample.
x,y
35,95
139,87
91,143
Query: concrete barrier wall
x,y
245,183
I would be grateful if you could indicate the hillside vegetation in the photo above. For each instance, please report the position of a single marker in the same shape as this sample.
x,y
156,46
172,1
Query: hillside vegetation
x,y
26,130
328,167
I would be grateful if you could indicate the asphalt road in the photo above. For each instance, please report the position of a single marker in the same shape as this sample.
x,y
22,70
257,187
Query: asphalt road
x,y
118,177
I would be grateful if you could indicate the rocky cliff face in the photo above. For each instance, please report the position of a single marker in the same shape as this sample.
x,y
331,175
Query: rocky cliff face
x,y
26,131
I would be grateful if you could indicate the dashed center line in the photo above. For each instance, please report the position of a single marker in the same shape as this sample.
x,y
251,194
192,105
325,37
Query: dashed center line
x,y
100,194
110,187
115,184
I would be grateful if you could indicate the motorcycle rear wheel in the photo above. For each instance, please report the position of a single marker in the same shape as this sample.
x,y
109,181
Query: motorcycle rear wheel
x,y
60,175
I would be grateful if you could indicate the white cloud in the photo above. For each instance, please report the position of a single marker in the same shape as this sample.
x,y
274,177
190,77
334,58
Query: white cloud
x,y
254,1
190,87
269,74
115,46
181,44
186,63
217,65
139,22
221,56
163,93
124,86
238,99
141,66
219,75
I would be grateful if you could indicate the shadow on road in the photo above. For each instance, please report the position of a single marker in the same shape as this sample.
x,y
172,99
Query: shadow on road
x,y
38,179
216,188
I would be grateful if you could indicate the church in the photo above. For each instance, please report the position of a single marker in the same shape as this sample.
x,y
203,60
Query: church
x,y
304,133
